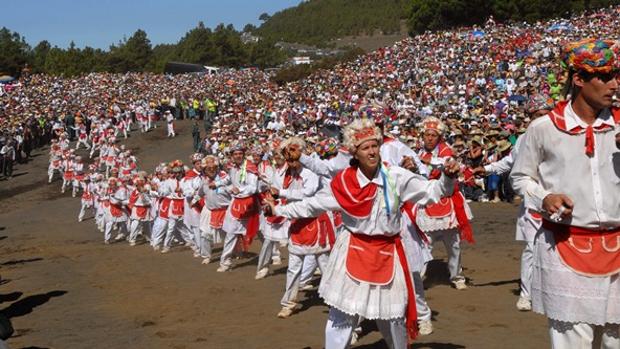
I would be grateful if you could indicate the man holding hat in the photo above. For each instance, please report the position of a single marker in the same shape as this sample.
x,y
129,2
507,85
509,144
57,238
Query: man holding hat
x,y
568,170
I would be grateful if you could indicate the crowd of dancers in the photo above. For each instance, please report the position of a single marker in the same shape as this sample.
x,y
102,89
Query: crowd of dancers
x,y
357,171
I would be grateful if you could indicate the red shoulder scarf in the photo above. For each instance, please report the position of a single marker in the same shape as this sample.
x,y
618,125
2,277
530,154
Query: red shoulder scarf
x,y
354,200
558,119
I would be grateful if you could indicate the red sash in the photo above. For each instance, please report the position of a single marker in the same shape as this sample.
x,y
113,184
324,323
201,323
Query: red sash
x,y
353,199
216,220
133,197
587,252
408,208
68,175
371,259
337,219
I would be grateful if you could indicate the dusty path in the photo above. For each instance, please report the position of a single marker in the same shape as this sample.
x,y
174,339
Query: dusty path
x,y
64,289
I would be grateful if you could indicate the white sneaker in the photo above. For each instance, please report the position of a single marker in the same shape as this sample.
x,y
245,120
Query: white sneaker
x,y
223,269
165,250
132,243
306,287
460,284
354,338
206,260
285,312
156,248
276,261
119,237
524,304
261,274
107,242
425,327
196,254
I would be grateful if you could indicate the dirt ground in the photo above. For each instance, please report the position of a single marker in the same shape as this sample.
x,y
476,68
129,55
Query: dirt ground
x,y
63,288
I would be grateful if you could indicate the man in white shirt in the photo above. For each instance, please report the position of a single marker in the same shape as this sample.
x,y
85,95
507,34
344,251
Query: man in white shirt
x,y
568,169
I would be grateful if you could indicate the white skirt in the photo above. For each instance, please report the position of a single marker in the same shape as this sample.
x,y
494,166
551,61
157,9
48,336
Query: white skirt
x,y
428,224
234,226
275,232
360,298
561,294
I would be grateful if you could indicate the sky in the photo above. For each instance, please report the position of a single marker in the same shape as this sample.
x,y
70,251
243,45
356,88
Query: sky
x,y
100,23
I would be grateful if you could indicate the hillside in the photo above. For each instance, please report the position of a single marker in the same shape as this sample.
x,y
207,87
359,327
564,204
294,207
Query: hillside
x,y
316,22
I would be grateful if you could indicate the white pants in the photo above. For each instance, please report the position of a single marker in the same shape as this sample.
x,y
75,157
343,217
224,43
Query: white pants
x,y
171,130
422,308
121,226
340,326
310,265
185,233
527,267
84,142
452,242
230,244
269,250
207,241
293,275
566,335
136,227
159,231
83,211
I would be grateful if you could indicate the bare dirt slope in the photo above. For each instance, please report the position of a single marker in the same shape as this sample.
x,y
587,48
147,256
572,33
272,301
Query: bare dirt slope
x,y
63,288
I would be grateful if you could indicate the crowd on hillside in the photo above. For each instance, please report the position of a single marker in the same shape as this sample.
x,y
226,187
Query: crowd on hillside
x,y
359,169
480,81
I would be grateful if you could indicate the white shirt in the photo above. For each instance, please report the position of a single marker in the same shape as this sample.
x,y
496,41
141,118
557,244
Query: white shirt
x,y
408,187
551,161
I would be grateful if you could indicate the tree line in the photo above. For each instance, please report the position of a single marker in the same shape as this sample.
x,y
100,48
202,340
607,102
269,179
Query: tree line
x,y
221,46
444,14
317,22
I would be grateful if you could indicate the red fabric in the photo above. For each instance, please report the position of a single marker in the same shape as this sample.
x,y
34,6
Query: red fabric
x,y
590,141
589,252
243,208
305,231
458,200
439,210
353,199
178,207
164,207
133,197
370,259
216,220
411,312
395,243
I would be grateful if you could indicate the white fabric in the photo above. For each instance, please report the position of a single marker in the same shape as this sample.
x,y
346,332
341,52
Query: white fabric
x,y
565,335
394,151
326,168
551,161
527,267
452,241
360,298
340,326
561,294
